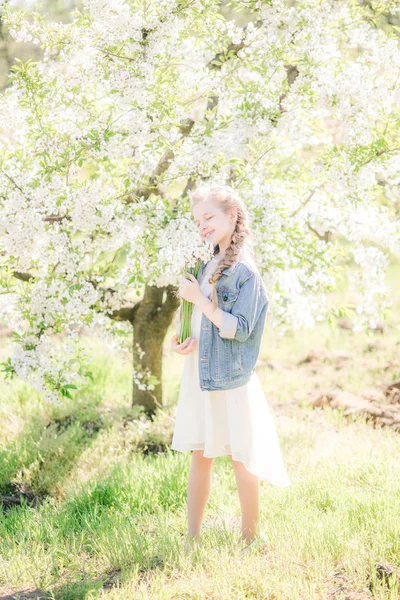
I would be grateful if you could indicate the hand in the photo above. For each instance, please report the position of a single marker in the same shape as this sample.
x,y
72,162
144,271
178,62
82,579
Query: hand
x,y
186,347
189,289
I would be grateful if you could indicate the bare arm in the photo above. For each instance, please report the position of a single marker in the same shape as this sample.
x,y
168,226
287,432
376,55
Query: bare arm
x,y
213,314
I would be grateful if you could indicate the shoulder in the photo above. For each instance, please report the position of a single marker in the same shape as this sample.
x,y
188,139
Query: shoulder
x,y
246,268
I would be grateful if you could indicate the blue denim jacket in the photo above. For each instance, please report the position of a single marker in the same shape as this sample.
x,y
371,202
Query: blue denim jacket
x,y
228,355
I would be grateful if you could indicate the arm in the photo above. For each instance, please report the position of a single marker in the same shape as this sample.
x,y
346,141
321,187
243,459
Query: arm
x,y
207,307
248,306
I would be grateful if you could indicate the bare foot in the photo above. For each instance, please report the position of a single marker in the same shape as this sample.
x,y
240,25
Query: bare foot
x,y
191,543
256,542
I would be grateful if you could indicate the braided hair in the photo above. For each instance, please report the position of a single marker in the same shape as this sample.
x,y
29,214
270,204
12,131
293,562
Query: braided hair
x,y
226,198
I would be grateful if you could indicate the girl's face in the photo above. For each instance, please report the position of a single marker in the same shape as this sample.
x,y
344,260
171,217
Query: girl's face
x,y
213,224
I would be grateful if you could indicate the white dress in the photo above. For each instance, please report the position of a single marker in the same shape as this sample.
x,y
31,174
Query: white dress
x,y
238,422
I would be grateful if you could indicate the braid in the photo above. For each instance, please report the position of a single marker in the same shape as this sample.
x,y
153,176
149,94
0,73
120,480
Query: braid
x,y
232,253
227,198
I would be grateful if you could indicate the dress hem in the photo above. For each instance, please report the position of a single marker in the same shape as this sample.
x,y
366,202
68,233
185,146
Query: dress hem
x,y
262,477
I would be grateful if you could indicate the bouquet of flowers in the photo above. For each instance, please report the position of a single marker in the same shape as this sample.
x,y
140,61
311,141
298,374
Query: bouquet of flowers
x,y
186,307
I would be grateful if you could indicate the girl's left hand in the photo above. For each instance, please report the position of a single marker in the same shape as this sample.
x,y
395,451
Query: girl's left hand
x,y
189,289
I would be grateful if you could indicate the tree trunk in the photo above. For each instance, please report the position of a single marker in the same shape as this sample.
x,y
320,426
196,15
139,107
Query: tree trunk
x,y
150,323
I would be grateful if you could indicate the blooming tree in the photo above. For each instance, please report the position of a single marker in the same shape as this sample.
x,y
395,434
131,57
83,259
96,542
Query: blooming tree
x,y
135,102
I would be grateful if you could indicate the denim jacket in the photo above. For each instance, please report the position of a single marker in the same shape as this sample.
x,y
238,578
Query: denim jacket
x,y
228,355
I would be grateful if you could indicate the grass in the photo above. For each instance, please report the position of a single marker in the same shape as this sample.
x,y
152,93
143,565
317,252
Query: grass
x,y
110,516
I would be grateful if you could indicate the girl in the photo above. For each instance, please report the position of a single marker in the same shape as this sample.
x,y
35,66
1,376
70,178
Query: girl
x,y
222,408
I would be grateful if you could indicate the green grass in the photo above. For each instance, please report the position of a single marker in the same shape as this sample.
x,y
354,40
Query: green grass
x,y
111,517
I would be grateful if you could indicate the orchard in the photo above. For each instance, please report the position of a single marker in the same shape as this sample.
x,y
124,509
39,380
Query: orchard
x,y
295,104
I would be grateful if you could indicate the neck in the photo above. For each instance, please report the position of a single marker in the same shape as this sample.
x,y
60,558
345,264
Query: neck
x,y
219,253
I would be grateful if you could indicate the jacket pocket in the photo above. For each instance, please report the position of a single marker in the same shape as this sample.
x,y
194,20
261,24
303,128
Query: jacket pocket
x,y
227,297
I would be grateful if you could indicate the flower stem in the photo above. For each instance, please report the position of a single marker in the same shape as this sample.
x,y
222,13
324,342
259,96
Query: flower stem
x,y
187,307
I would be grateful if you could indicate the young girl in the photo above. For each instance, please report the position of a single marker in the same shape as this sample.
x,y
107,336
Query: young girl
x,y
222,408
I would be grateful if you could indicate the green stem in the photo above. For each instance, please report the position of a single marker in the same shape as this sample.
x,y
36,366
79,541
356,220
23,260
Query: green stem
x,y
187,308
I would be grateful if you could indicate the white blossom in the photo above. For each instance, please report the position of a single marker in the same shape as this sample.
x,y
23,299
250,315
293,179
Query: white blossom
x,y
304,115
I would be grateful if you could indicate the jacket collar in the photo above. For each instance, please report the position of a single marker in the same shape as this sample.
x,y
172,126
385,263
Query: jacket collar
x,y
244,254
226,271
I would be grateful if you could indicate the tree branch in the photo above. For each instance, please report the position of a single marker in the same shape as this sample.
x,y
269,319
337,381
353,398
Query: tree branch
x,y
303,204
185,127
53,218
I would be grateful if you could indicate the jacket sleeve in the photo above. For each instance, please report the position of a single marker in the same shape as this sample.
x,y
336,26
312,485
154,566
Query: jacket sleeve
x,y
239,323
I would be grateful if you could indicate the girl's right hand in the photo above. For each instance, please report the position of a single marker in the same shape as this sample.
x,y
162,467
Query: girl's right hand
x,y
185,348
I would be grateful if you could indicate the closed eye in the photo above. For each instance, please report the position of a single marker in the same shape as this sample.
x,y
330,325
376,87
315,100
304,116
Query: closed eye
x,y
197,224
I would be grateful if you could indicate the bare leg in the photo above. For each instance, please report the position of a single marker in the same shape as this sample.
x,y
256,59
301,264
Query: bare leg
x,y
249,495
199,488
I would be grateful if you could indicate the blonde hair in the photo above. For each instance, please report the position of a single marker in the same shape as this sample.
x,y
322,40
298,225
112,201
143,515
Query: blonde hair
x,y
227,198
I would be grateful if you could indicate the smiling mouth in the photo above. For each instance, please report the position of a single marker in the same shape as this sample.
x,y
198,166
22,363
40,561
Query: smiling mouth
x,y
208,234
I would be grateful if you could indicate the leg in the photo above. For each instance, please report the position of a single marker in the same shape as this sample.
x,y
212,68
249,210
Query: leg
x,y
199,488
249,496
